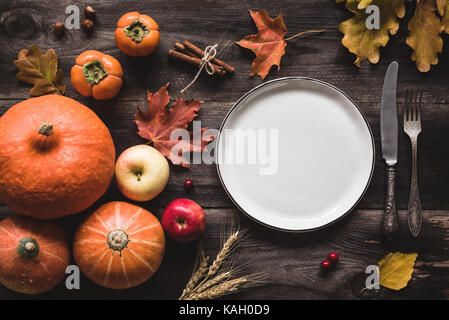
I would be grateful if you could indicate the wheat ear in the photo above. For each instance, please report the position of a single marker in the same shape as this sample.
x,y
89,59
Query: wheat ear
x,y
196,277
224,253
229,286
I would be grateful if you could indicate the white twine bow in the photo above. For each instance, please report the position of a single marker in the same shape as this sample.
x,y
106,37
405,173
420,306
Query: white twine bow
x,y
209,53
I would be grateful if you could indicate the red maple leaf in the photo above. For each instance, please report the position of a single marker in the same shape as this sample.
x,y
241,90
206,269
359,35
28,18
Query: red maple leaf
x,y
159,122
269,44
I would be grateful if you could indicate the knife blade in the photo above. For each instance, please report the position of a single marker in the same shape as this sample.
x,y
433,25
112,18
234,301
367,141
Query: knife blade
x,y
389,142
388,116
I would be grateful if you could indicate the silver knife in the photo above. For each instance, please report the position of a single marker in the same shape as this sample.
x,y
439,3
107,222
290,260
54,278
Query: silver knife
x,y
389,139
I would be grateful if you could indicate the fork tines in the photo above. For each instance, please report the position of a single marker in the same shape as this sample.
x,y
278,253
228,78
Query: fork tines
x,y
413,102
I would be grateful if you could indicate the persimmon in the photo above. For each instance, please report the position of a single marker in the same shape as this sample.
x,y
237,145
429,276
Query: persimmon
x,y
97,75
137,34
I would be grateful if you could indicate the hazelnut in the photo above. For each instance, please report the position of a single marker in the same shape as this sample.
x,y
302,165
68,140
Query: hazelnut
x,y
89,12
59,28
87,25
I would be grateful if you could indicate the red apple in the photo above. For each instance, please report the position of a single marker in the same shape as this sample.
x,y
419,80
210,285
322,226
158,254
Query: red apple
x,y
183,220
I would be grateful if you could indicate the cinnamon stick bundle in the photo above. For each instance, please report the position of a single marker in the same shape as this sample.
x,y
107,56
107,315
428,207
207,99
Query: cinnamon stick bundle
x,y
190,53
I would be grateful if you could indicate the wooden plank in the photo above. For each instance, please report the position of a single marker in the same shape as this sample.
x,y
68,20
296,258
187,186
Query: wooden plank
x,y
319,56
433,156
292,260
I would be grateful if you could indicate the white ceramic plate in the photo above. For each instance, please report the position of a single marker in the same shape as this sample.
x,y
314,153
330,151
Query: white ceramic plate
x,y
325,154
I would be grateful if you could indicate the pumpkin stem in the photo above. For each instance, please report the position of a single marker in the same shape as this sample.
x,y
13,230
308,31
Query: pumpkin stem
x,y
118,240
28,248
136,31
46,129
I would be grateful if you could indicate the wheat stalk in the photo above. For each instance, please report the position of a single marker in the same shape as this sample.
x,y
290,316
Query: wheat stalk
x,y
212,282
196,276
216,280
229,286
224,253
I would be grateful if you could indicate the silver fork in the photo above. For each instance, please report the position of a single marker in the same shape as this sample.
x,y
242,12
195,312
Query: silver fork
x,y
412,126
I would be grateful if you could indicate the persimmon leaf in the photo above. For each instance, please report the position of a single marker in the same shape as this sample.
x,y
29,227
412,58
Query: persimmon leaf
x,y
363,42
40,70
424,37
396,269
158,123
269,44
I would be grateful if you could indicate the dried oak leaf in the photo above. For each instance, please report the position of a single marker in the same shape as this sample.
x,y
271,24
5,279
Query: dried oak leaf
x,y
40,70
360,40
396,269
444,13
159,122
269,44
424,37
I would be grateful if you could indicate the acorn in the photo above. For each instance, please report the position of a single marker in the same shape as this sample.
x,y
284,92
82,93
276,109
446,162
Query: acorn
x,y
89,12
59,28
87,25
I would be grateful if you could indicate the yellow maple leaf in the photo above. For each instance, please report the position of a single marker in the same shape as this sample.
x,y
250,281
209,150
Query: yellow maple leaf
x,y
395,269
360,40
424,37
443,9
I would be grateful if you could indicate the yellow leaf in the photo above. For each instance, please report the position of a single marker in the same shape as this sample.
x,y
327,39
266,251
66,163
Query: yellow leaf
x,y
363,42
445,15
441,4
395,269
424,37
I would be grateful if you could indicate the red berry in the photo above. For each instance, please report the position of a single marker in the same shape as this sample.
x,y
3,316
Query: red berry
x,y
188,184
333,256
326,264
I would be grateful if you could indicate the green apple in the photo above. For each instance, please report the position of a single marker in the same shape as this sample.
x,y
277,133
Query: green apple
x,y
141,172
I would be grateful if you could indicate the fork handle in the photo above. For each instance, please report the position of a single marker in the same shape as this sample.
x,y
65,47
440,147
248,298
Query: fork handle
x,y
414,203
390,224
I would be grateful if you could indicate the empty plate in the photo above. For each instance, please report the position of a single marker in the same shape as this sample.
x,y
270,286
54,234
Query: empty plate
x,y
295,154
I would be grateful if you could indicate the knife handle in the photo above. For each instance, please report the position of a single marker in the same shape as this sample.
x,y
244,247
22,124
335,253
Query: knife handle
x,y
390,222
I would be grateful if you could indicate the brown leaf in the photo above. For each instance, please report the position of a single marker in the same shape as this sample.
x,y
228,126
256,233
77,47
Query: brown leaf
x,y
40,70
269,44
158,123
424,37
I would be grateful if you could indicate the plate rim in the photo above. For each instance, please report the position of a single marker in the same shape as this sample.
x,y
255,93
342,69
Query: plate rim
x,y
239,101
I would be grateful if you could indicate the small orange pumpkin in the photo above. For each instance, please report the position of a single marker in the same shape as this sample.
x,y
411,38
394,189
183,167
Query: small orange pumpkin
x,y
56,157
137,34
119,246
33,254
97,74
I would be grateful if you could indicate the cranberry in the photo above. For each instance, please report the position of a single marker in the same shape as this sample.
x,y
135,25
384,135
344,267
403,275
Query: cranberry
x,y
326,264
333,257
188,184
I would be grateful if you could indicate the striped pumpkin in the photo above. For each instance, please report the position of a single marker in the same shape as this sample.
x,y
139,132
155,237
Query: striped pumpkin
x,y
119,246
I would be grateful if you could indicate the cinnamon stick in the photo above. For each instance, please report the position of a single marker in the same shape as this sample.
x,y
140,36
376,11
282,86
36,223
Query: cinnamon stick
x,y
195,61
181,48
193,48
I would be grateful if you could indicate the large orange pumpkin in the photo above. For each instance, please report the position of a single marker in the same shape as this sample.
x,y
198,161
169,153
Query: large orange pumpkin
x,y
56,157
33,254
119,246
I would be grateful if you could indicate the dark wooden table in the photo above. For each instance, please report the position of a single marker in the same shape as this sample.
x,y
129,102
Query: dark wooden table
x,y
291,260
